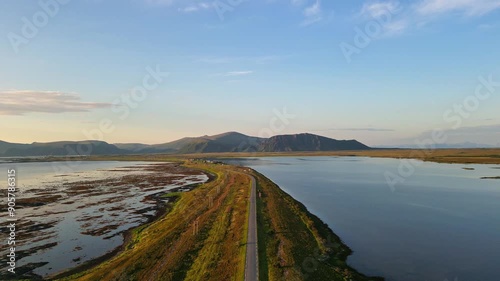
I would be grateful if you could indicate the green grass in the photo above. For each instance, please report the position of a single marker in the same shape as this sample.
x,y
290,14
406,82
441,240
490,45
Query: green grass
x,y
293,244
263,229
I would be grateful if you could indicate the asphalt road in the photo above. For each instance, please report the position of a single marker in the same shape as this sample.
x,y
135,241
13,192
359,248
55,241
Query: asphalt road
x,y
252,259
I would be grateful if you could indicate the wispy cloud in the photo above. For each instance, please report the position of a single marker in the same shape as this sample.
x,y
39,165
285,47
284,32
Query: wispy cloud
x,y
21,102
312,14
239,73
312,11
184,6
229,60
465,7
191,8
218,60
390,15
234,73
396,27
376,9
406,16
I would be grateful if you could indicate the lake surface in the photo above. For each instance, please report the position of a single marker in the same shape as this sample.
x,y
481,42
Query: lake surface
x,y
72,212
442,223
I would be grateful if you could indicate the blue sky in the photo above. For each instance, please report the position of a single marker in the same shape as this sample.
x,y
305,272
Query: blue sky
x,y
233,64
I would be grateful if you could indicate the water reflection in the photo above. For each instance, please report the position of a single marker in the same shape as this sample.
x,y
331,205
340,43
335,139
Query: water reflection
x,y
442,223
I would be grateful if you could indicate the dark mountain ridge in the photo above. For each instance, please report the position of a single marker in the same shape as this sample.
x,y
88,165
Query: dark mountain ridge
x,y
308,142
226,142
68,148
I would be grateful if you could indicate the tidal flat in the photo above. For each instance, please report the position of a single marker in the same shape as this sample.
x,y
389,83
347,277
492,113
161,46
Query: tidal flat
x,y
68,219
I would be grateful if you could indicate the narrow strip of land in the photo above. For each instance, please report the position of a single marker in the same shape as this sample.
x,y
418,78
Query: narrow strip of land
x,y
251,265
294,245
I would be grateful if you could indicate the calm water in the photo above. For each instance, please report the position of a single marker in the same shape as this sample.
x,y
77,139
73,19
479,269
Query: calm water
x,y
442,223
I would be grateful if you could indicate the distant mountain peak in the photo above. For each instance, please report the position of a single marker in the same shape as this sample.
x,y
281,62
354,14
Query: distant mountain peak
x,y
309,142
224,142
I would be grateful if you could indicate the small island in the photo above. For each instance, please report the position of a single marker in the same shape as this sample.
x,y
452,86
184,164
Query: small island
x,y
490,178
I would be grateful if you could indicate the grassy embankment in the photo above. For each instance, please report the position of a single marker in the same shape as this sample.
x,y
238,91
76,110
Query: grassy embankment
x,y
465,156
293,244
168,248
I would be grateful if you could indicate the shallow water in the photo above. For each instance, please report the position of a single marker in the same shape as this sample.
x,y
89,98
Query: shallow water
x,y
96,203
442,223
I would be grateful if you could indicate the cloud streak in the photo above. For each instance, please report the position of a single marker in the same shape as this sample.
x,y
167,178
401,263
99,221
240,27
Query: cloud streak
x,y
466,7
312,14
253,60
422,12
239,73
379,8
22,102
234,73
192,8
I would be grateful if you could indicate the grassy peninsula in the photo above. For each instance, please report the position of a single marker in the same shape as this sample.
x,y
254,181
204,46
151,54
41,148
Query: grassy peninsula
x,y
202,236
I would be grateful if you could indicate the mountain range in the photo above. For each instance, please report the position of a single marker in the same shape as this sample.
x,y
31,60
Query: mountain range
x,y
226,142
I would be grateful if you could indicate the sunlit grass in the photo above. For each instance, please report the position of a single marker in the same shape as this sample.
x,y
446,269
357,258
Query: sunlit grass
x,y
293,244
169,247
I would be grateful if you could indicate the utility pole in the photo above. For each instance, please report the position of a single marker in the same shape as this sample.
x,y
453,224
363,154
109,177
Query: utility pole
x,y
196,226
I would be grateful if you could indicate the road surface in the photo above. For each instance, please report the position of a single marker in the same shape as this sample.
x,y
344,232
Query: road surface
x,y
252,259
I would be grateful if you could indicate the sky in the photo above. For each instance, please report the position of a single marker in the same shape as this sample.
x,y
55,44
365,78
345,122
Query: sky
x,y
153,71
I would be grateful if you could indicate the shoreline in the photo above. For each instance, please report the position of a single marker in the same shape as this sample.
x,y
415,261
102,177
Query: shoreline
x,y
162,209
127,236
445,156
334,248
139,237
